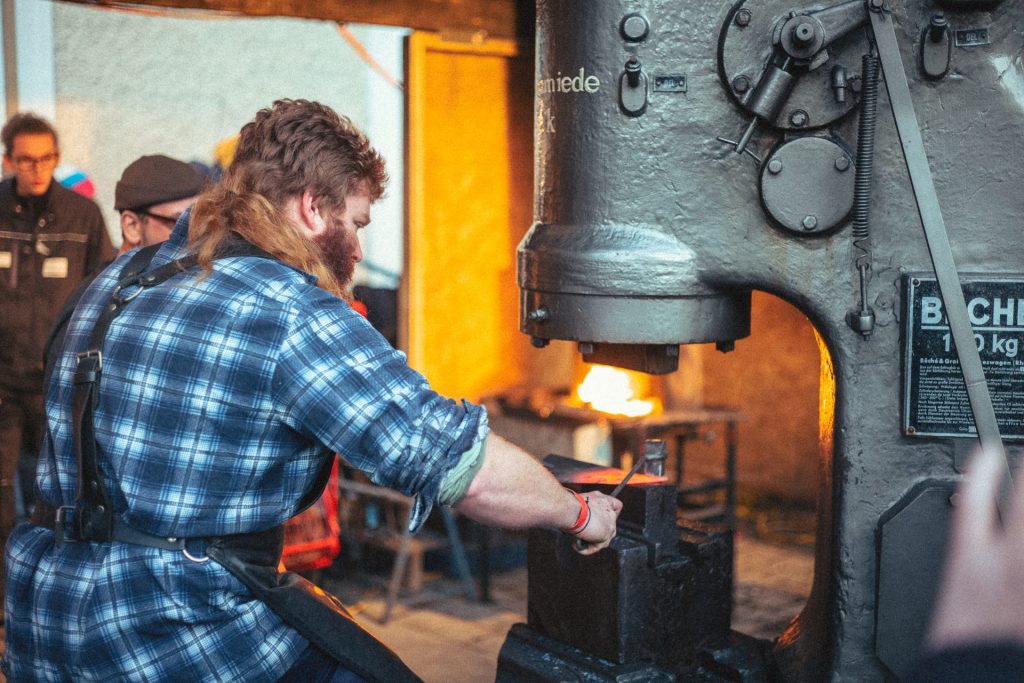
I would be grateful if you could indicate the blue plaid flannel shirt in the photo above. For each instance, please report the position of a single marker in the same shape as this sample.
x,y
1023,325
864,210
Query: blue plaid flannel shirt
x,y
220,398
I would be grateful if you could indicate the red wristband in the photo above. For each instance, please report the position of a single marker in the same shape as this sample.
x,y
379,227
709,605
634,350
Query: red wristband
x,y
584,517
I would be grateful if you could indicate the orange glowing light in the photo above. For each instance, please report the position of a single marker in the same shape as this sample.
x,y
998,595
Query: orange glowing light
x,y
612,390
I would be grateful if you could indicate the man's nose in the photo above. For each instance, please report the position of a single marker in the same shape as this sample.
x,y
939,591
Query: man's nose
x,y
357,252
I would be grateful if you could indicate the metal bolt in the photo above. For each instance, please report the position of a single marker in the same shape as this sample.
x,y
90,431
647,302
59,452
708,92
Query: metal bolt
x,y
810,222
937,27
742,17
775,166
799,118
586,348
539,314
633,68
741,84
539,342
842,163
634,27
911,430
803,33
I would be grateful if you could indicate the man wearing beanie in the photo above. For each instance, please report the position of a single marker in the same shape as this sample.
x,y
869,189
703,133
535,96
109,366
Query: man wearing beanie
x,y
151,195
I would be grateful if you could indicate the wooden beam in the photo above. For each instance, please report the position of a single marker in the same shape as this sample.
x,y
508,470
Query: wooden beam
x,y
487,18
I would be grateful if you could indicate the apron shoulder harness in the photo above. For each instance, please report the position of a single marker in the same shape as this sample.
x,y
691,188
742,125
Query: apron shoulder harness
x,y
251,557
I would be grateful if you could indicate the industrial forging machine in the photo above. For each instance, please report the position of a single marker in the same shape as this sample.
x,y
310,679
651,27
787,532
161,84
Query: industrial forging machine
x,y
687,153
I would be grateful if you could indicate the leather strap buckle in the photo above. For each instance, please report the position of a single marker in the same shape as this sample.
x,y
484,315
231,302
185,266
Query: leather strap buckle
x,y
63,522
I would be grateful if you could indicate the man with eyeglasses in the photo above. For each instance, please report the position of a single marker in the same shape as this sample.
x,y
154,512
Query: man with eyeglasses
x,y
151,195
51,238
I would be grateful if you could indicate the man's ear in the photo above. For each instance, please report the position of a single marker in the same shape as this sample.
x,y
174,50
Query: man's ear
x,y
310,218
131,228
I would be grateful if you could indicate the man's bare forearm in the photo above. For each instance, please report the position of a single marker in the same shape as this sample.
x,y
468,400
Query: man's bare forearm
x,y
513,490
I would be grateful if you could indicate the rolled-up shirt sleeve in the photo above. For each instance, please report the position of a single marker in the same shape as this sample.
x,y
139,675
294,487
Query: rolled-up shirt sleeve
x,y
340,383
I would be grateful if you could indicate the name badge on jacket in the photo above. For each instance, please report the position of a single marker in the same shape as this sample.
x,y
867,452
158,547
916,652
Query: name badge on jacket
x,y
5,259
55,267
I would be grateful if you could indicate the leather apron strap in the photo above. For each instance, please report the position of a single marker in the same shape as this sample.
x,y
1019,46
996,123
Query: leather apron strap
x,y
317,615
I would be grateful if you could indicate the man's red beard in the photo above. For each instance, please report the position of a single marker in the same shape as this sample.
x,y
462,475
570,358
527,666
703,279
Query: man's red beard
x,y
337,251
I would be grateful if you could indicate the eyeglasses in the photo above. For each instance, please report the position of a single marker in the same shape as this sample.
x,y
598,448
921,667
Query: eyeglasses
x,y
166,220
29,163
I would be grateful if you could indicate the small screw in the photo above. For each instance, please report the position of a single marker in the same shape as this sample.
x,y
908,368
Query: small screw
x,y
742,17
741,84
911,430
799,118
586,348
914,281
842,163
775,166
810,222
539,342
539,314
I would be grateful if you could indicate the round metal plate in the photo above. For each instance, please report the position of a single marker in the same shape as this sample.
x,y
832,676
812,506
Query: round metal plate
x,y
807,185
745,45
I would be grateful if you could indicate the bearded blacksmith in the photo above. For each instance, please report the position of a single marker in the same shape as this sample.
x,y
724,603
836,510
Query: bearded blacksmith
x,y
201,388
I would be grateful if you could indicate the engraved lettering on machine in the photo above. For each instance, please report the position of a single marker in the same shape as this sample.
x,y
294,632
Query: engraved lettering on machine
x,y
576,82
934,396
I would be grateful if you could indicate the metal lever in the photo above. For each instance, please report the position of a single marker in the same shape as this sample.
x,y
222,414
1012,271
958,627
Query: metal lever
x,y
935,229
633,87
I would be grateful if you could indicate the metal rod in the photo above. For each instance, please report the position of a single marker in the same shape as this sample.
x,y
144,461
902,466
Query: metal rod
x,y
629,475
935,234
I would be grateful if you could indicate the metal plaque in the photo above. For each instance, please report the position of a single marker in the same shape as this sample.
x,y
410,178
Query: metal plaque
x,y
972,37
670,83
934,396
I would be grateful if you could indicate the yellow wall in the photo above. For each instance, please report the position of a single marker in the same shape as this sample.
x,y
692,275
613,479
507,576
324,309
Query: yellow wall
x,y
470,187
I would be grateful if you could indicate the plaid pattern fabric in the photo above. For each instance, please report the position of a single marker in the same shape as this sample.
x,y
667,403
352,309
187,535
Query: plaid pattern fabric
x,y
220,398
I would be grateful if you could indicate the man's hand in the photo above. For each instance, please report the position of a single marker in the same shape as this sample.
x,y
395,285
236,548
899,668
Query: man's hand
x,y
981,599
604,514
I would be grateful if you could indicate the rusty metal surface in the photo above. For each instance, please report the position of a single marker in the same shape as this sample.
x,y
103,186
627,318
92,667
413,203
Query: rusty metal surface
x,y
643,211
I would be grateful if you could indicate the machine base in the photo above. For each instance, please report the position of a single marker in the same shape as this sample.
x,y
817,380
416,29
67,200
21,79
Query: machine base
x,y
529,657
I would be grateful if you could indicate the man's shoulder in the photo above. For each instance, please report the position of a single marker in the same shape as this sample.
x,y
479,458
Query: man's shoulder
x,y
7,193
63,198
286,285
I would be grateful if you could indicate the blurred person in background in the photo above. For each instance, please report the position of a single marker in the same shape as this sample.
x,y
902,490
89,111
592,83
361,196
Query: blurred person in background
x,y
51,238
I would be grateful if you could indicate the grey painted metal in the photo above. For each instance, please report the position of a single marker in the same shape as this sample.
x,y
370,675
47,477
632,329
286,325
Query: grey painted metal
x,y
634,212
941,251
910,570
807,185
